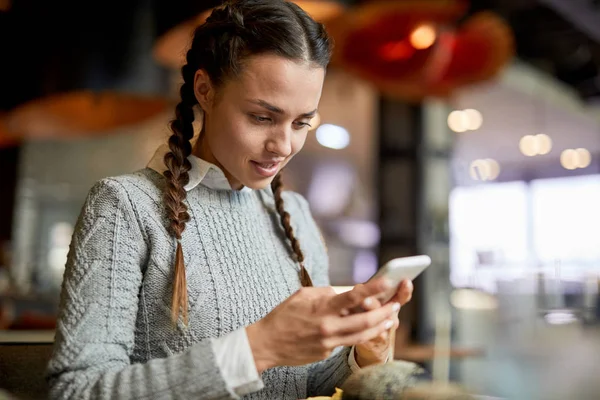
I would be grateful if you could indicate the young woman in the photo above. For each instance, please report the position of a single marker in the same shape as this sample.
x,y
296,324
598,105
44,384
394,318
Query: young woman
x,y
193,278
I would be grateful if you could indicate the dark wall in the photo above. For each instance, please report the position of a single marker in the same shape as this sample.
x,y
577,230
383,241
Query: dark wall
x,y
8,166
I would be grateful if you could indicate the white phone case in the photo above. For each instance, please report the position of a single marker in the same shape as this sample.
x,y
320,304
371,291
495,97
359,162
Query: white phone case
x,y
399,269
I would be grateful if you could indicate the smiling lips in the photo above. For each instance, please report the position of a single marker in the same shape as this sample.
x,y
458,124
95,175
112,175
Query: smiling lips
x,y
266,169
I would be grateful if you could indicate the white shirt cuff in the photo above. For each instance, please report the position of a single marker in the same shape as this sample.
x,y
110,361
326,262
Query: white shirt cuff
x,y
236,362
354,367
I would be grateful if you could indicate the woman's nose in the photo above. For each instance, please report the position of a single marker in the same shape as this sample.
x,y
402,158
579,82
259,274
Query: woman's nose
x,y
280,142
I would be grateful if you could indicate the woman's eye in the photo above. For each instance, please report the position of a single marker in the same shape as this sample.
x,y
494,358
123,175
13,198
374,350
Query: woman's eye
x,y
258,118
301,125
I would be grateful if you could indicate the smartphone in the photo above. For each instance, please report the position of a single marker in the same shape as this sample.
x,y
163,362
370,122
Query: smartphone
x,y
399,269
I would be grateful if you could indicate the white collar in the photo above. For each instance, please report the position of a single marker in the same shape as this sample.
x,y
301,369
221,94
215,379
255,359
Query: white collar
x,y
202,171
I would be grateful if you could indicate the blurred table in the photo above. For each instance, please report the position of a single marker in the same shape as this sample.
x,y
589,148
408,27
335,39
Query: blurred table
x,y
26,336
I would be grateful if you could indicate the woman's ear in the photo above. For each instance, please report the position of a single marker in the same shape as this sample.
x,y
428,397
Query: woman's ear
x,y
203,89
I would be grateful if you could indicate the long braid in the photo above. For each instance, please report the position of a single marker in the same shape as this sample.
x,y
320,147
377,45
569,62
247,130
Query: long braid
x,y
177,176
284,217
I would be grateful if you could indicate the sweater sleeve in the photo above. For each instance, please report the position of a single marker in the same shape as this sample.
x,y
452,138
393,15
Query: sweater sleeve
x,y
97,318
323,376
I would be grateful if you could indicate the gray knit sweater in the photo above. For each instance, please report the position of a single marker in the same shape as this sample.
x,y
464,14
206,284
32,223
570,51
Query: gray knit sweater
x,y
114,339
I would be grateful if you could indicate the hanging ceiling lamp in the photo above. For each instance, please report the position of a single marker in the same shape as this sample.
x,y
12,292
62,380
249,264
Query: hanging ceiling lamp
x,y
82,112
416,48
170,48
5,5
321,10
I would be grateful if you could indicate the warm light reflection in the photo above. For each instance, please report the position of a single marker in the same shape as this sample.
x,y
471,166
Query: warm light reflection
x,y
537,145
569,159
423,37
544,143
493,168
584,158
475,119
484,169
465,120
458,121
572,159
528,146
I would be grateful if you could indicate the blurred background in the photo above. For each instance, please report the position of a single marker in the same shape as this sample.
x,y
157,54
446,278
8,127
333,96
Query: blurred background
x,y
465,130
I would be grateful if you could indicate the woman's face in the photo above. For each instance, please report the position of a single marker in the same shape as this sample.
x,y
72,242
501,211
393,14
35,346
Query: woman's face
x,y
256,123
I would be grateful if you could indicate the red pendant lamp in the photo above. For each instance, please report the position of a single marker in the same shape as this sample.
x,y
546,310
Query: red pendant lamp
x,y
169,50
82,113
415,48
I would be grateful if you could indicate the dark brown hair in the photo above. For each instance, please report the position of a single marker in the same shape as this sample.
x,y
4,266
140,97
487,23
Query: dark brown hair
x,y
231,34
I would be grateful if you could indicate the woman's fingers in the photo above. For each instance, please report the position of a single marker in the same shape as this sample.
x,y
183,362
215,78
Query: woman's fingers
x,y
404,292
342,303
370,303
336,326
363,336
384,335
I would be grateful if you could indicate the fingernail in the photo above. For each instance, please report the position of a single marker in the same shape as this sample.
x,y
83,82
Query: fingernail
x,y
367,302
344,312
396,307
388,324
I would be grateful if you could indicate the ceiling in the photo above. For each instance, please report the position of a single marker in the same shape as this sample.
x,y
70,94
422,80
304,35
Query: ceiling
x,y
561,37
509,113
109,42
561,40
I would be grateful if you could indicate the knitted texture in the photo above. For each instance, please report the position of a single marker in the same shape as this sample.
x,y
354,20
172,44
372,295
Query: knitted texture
x,y
114,337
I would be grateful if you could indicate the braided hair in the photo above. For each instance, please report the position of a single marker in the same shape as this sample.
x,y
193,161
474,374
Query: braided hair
x,y
232,33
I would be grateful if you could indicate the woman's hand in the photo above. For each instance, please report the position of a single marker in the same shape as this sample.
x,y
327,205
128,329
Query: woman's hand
x,y
377,350
312,322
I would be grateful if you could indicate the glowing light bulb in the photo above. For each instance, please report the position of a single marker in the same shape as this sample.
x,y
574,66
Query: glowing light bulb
x,y
423,37
584,158
569,159
475,119
458,121
528,145
544,143
484,170
493,168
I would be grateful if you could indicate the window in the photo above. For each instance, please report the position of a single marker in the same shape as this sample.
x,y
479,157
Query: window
x,y
488,226
566,221
504,230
